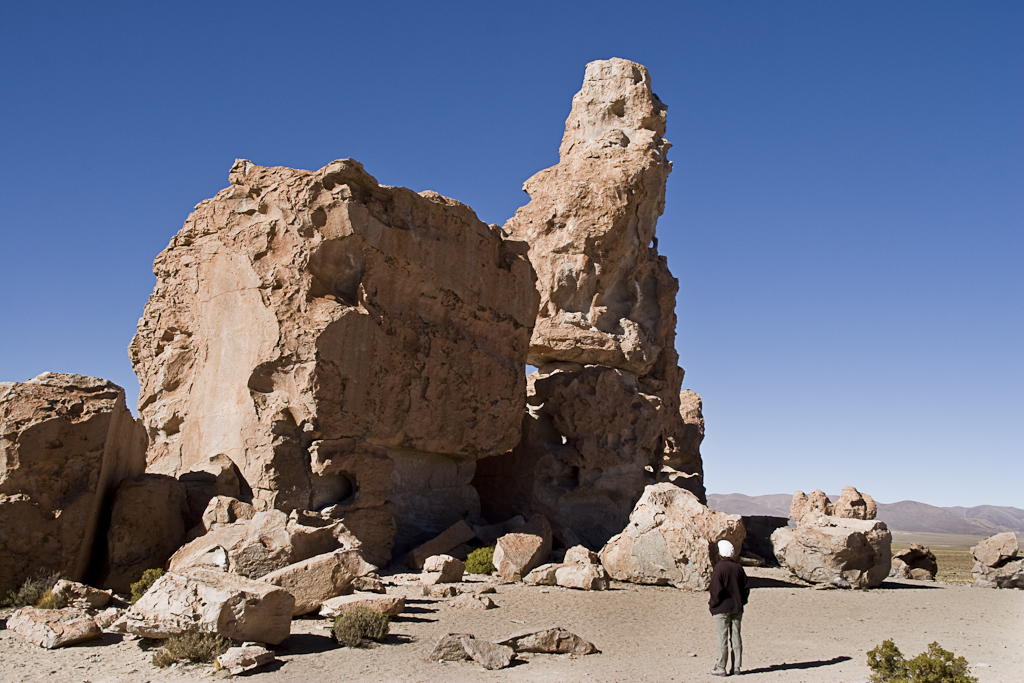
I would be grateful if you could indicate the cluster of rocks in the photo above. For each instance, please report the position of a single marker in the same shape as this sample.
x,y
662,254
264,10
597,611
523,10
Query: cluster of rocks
x,y
840,545
916,562
501,653
997,563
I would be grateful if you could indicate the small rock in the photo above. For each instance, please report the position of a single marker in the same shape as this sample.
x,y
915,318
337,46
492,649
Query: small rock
x,y
442,591
470,601
53,628
450,648
487,654
81,596
369,584
442,569
385,604
550,640
246,658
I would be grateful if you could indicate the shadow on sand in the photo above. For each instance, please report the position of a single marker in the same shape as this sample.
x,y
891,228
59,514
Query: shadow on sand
x,y
765,582
797,665
307,644
911,586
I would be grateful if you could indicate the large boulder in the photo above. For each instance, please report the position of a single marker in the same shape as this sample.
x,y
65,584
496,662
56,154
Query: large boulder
x,y
319,578
270,541
842,552
517,553
605,413
346,344
549,640
53,628
66,442
201,601
916,562
671,539
997,564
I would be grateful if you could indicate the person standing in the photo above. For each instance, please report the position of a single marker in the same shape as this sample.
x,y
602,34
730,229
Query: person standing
x,y
729,593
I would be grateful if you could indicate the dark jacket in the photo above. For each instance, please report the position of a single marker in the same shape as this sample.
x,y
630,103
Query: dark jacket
x,y
729,591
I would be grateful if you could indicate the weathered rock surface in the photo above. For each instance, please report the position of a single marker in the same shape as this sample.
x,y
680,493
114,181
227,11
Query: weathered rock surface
x,y
203,601
670,540
238,660
223,510
313,581
487,654
997,564
809,505
453,536
580,555
271,540
148,523
390,605
517,553
442,569
450,648
472,602
66,441
853,504
842,552
368,584
53,628
587,577
549,640
916,562
345,344
80,595
605,413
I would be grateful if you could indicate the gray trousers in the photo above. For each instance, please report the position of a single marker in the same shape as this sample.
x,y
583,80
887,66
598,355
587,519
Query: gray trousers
x,y
727,629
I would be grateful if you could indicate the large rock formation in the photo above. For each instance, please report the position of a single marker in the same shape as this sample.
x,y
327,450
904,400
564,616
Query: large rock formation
x,y
671,539
605,413
842,552
997,564
345,344
66,441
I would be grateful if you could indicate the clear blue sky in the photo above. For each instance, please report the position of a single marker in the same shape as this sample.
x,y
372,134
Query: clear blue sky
x,y
845,217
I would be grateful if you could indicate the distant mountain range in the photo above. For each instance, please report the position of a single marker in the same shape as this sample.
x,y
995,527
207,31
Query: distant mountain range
x,y
907,515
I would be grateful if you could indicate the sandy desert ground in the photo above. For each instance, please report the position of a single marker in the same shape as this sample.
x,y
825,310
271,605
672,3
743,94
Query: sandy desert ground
x,y
791,633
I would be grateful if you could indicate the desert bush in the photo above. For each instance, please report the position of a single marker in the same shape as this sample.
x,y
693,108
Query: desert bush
x,y
359,623
33,590
51,601
935,665
144,583
190,647
481,560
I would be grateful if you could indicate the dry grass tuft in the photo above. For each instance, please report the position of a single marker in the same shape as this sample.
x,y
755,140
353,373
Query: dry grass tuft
x,y
190,647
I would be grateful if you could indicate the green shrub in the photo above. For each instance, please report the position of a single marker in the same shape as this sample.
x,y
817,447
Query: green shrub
x,y
190,647
32,591
359,623
481,560
147,580
935,665
51,601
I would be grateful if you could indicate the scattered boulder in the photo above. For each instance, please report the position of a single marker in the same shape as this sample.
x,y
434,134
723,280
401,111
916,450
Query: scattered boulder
x,y
582,576
853,504
238,660
671,539
441,591
453,536
809,506
605,413
841,552
997,564
549,640
224,510
215,476
580,555
473,602
106,619
66,441
385,604
517,553
487,654
368,584
148,523
53,628
271,540
450,649
204,601
544,575
309,326
917,562
79,595
320,577
442,569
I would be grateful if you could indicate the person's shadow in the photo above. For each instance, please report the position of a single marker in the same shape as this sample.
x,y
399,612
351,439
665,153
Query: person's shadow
x,y
797,665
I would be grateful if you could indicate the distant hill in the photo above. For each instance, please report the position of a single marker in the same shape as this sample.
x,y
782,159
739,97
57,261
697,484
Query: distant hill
x,y
906,515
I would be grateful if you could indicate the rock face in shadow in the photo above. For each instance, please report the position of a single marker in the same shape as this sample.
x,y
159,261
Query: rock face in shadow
x,y
604,407
66,441
346,344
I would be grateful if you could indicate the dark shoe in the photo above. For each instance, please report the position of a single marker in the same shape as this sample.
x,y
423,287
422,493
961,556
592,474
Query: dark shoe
x,y
718,672
736,671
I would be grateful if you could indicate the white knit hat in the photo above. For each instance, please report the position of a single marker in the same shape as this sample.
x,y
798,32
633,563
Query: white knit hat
x,y
725,548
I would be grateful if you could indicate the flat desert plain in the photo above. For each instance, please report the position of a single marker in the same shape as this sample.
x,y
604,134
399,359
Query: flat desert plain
x,y
645,633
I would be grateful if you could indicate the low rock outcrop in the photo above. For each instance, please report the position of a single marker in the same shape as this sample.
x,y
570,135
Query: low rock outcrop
x,y
997,564
916,562
670,540
456,647
549,640
391,605
838,551
200,601
53,628
605,413
66,442
348,345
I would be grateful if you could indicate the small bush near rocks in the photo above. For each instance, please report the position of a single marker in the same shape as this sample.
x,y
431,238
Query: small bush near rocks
x,y
191,647
359,623
51,601
33,590
481,560
140,587
935,665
